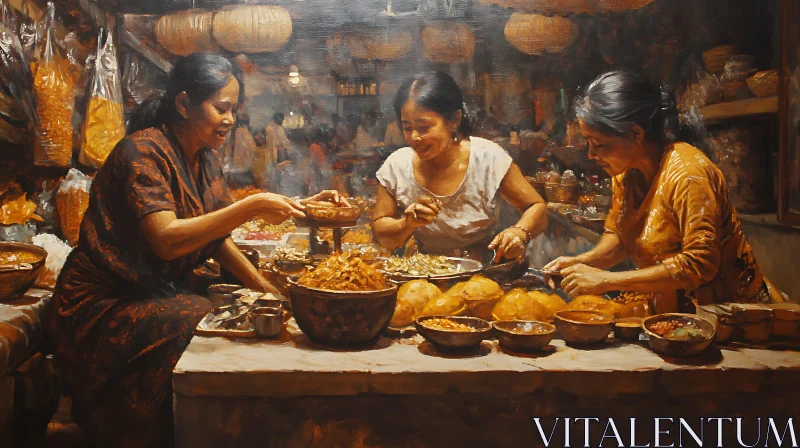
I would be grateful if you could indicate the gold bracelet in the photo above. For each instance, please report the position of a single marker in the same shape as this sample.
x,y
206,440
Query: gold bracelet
x,y
524,230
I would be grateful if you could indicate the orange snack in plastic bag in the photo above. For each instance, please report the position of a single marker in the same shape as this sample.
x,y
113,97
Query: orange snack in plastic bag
x,y
53,96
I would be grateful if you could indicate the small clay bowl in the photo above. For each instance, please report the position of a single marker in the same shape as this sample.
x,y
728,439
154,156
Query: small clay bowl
x,y
628,328
454,340
579,327
680,347
522,335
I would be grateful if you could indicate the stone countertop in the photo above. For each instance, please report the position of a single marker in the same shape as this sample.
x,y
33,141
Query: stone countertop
x,y
22,327
294,366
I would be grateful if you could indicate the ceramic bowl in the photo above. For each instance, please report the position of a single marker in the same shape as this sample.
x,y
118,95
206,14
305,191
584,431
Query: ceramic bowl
x,y
522,335
579,327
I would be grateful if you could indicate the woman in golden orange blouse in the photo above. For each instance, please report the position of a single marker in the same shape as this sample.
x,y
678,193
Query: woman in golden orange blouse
x,y
670,214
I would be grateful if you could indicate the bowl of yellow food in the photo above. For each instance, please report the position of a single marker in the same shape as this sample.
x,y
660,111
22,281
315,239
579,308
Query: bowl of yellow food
x,y
453,333
20,264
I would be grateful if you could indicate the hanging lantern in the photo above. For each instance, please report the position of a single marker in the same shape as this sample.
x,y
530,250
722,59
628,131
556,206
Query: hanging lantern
x,y
339,59
186,32
623,5
447,42
550,7
538,34
384,45
252,29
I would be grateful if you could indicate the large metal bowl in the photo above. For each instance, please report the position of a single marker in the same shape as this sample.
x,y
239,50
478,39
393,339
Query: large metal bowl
x,y
341,317
16,279
674,347
468,268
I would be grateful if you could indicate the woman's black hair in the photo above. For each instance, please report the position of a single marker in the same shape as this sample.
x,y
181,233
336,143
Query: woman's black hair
x,y
200,75
618,100
437,92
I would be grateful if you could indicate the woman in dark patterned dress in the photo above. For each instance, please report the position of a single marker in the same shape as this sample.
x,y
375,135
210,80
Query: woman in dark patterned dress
x,y
159,207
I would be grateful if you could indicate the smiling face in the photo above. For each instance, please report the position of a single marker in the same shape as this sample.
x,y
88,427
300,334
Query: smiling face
x,y
427,132
615,154
215,117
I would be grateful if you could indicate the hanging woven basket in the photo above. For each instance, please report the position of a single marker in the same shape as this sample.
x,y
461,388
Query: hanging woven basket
x,y
536,34
186,32
447,42
384,45
622,5
549,7
252,29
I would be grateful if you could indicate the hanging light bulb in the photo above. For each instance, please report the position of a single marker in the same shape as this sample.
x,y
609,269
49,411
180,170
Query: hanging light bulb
x,y
294,75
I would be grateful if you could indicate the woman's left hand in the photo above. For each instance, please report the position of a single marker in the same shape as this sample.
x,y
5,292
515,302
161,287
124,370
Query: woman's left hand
x,y
327,196
581,279
509,244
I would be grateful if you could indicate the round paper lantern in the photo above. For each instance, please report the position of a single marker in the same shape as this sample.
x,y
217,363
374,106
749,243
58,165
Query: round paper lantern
x,y
447,42
252,29
384,45
549,7
538,34
186,32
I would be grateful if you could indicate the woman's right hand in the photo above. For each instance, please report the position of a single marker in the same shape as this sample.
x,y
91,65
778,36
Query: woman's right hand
x,y
276,208
560,263
422,212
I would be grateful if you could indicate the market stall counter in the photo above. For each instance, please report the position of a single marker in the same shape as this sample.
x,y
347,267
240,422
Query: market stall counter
x,y
404,392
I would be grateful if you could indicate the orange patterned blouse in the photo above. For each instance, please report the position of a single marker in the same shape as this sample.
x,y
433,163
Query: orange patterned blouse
x,y
686,223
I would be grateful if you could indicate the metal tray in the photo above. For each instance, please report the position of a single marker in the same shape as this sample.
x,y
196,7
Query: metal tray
x,y
202,329
468,269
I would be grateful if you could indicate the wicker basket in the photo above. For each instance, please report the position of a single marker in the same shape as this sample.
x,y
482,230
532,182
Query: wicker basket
x,y
565,194
715,58
764,84
538,185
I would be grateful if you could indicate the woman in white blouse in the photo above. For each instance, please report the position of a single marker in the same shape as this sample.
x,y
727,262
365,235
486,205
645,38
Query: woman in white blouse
x,y
443,188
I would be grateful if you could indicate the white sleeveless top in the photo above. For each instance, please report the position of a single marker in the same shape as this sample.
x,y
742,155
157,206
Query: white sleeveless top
x,y
469,215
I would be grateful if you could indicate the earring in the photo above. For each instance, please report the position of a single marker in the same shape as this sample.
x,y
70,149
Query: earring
x,y
455,136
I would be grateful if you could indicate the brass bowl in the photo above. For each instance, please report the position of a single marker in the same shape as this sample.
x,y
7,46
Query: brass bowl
x,y
341,317
522,335
579,327
628,328
454,340
675,347
318,213
16,279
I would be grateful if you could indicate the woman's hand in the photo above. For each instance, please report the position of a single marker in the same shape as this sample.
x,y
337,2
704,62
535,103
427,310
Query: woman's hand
x,y
509,244
422,212
560,263
275,208
327,196
580,279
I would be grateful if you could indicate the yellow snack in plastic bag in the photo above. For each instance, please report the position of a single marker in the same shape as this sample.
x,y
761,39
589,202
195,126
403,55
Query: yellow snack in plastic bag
x,y
102,128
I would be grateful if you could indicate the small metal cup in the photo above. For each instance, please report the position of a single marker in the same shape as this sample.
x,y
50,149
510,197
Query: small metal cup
x,y
222,294
268,321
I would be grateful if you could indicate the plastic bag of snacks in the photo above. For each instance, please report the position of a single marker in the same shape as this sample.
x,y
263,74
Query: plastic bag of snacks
x,y
16,80
72,200
53,94
103,124
57,253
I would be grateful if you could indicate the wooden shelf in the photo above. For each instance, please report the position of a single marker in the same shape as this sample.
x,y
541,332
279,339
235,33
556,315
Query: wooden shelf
x,y
753,106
